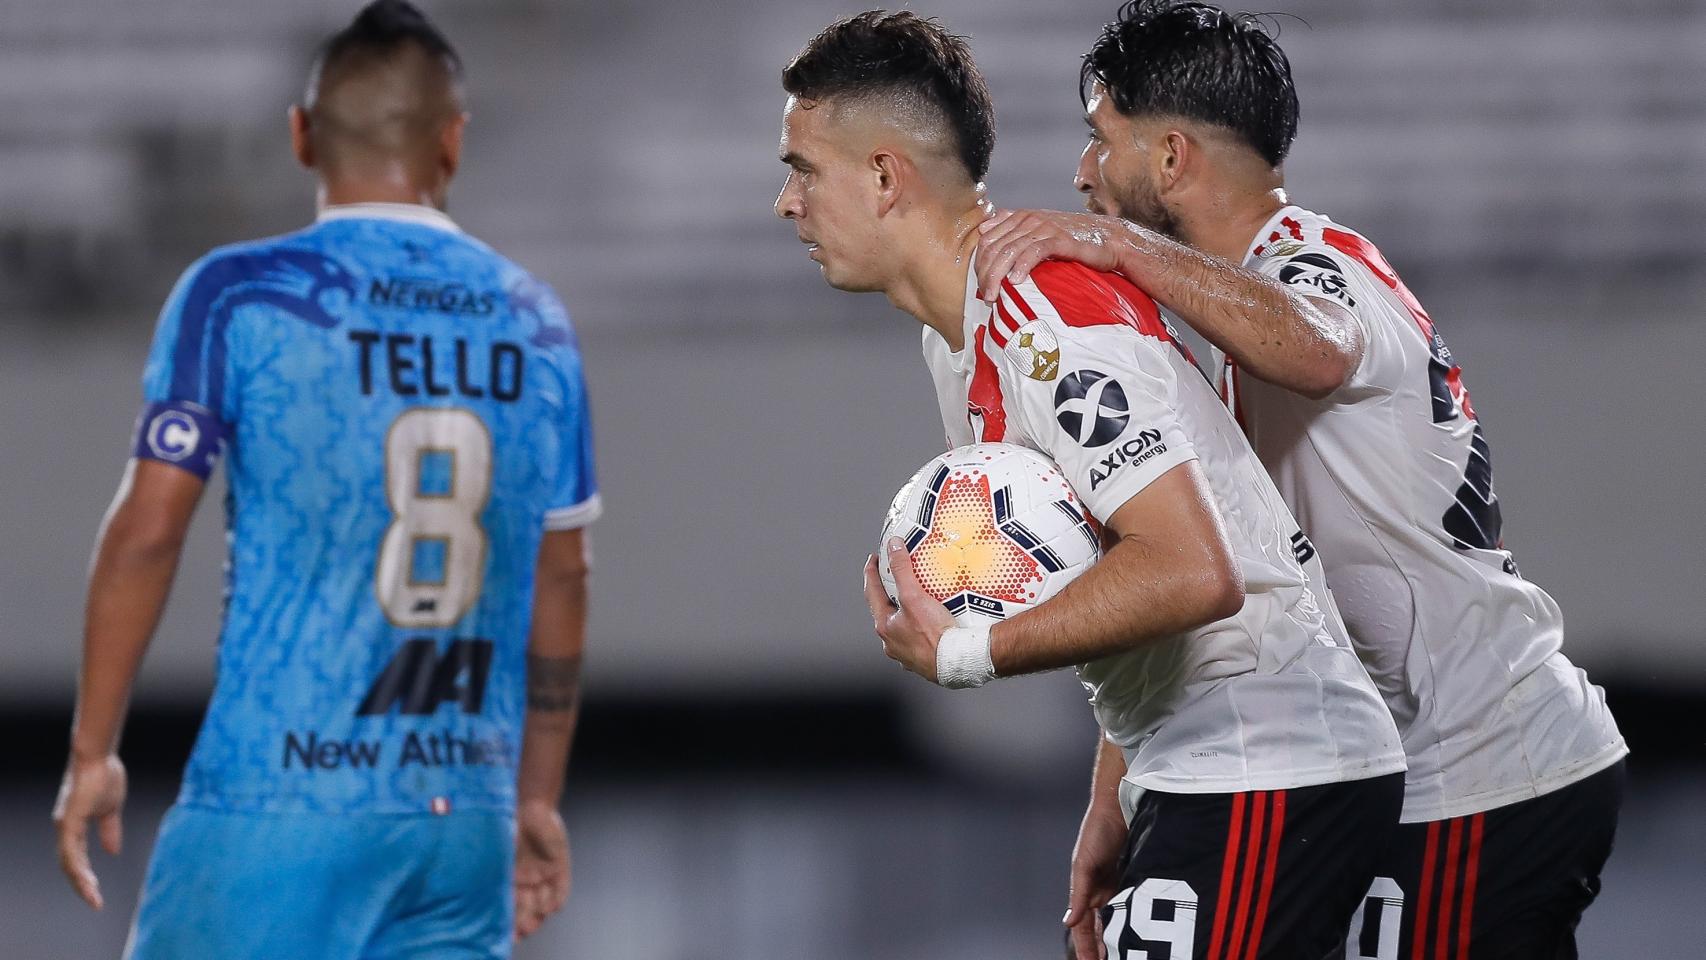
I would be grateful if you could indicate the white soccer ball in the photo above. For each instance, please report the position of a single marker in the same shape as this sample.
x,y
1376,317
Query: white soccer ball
x,y
993,530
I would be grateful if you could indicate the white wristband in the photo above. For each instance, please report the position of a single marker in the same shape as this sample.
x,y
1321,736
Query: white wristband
x,y
962,658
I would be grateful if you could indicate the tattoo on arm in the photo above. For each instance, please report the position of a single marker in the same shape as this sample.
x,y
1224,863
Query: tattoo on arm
x,y
553,683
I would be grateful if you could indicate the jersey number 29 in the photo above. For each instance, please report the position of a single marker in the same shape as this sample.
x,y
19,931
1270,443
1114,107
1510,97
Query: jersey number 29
x,y
438,476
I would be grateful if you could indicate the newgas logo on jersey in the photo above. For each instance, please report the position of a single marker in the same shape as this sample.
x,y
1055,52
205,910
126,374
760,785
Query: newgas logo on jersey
x,y
1035,351
1144,446
422,293
1317,270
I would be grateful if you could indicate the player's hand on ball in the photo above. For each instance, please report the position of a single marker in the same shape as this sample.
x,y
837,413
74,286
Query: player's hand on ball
x,y
912,631
91,790
541,866
1015,241
1094,879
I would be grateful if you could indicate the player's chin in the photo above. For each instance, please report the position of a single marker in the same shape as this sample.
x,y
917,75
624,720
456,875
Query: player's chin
x,y
846,281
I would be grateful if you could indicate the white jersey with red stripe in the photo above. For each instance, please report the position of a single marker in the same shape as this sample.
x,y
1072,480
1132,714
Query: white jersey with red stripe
x,y
1391,479
1079,366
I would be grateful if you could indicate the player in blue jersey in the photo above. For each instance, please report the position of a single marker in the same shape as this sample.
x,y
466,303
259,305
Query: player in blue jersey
x,y
404,425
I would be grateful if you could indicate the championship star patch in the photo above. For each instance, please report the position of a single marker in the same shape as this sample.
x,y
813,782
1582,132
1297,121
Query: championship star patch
x,y
1035,351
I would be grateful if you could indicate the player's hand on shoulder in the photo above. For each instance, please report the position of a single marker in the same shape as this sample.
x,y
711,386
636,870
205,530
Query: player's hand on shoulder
x,y
92,789
1015,241
542,872
912,631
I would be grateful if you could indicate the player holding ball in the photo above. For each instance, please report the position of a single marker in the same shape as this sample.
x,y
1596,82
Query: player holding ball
x,y
1248,770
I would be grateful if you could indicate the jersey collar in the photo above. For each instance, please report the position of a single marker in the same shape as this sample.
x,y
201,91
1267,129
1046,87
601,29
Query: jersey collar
x,y
403,212
1268,229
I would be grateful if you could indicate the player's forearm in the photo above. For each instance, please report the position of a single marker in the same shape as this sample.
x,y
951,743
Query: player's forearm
x,y
1141,590
1105,780
553,688
1271,332
135,561
552,711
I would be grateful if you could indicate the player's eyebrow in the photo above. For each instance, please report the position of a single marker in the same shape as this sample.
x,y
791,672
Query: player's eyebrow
x,y
796,161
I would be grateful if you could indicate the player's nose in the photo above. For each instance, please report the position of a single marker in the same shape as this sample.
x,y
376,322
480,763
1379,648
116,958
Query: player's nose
x,y
788,205
1081,176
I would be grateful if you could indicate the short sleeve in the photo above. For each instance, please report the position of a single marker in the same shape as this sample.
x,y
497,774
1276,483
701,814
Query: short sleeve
x,y
574,501
1322,273
1108,415
184,420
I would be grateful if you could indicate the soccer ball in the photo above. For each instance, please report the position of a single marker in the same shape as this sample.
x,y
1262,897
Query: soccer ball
x,y
993,530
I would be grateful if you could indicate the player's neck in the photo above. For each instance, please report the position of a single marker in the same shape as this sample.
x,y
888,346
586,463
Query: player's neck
x,y
334,192
932,285
1228,230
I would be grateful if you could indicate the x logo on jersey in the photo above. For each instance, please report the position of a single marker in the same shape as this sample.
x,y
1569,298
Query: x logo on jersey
x,y
1091,407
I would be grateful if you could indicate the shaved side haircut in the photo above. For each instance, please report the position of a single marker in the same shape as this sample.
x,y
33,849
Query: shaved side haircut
x,y
918,72
382,88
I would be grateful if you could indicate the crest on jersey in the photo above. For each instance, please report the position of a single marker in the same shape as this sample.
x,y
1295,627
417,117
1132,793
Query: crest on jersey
x,y
1036,351
1283,248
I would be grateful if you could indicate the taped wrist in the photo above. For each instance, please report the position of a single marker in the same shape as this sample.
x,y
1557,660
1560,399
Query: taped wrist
x,y
962,658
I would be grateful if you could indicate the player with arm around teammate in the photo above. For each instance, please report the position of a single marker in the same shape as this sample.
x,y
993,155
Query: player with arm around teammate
x,y
1248,769
403,421
1359,411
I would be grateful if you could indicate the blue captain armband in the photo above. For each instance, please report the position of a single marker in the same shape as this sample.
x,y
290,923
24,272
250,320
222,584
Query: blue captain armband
x,y
183,434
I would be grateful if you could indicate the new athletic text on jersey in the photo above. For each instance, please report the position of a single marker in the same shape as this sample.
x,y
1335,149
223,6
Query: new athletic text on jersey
x,y
1391,477
402,415
1079,366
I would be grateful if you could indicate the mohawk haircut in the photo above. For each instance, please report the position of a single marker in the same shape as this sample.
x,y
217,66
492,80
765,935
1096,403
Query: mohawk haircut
x,y
379,31
1189,59
907,60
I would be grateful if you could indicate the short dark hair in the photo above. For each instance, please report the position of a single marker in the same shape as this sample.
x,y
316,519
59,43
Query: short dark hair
x,y
379,30
901,54
1194,60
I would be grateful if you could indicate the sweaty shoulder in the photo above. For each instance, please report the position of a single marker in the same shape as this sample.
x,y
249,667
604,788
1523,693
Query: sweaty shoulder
x,y
1075,296
1061,299
1318,258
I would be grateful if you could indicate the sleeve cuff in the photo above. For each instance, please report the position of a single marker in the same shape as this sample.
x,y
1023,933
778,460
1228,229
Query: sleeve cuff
x,y
575,517
1121,486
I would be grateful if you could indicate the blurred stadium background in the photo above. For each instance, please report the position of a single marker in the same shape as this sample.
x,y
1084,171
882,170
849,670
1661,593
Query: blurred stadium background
x,y
753,779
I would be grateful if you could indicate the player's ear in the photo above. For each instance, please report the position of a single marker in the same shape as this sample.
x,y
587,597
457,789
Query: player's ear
x,y
888,170
301,144
1175,153
450,145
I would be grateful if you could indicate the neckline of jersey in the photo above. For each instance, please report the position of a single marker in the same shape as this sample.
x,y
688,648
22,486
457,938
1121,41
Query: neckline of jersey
x,y
1267,228
402,212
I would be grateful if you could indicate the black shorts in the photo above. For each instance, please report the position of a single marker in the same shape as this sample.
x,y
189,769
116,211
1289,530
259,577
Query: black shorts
x,y
1264,875
1507,884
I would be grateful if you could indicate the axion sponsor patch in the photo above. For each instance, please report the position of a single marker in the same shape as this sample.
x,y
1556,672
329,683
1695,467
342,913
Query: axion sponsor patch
x,y
1317,273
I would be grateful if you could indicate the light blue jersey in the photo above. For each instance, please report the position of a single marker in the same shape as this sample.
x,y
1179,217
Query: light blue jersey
x,y
402,415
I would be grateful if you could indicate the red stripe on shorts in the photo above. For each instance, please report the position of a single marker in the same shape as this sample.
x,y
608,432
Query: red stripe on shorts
x,y
1270,865
1228,872
1424,898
